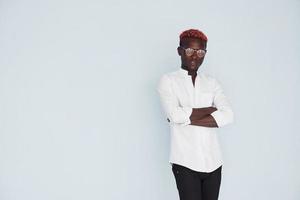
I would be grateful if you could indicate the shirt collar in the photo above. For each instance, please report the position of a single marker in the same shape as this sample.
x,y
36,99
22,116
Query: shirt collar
x,y
184,72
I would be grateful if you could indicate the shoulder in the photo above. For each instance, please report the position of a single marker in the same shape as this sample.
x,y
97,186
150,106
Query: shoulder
x,y
208,78
169,76
172,74
167,79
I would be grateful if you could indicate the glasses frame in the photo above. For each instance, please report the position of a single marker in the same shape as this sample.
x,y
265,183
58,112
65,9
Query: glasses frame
x,y
198,51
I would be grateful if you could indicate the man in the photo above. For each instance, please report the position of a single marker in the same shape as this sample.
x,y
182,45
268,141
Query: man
x,y
195,106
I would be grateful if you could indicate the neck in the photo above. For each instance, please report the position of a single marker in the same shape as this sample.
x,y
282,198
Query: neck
x,y
190,72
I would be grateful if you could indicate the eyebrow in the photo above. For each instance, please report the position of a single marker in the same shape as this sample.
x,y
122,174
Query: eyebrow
x,y
197,49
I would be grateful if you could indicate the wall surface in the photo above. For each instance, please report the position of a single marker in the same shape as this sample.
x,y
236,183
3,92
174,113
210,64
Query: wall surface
x,y
80,117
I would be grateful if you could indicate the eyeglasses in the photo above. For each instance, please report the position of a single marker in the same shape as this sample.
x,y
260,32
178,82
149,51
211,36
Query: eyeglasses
x,y
189,52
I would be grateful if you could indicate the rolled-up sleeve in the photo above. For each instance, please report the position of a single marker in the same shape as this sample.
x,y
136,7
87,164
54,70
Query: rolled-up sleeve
x,y
175,113
224,114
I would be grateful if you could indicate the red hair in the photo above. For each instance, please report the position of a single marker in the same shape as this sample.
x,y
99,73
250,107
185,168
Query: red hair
x,y
192,33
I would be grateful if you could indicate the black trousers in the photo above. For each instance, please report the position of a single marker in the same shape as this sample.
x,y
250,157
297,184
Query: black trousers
x,y
193,185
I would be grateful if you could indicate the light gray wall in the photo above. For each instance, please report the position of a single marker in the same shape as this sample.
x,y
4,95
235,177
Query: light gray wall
x,y
80,117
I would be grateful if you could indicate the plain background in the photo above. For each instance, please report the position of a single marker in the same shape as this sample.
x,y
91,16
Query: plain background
x,y
80,117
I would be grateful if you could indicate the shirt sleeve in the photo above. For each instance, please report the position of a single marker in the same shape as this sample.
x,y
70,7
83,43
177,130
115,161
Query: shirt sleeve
x,y
176,113
224,114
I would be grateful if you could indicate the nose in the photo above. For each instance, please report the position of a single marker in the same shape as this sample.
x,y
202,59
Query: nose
x,y
194,56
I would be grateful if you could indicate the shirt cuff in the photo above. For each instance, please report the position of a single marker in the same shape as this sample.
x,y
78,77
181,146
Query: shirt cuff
x,y
217,115
189,111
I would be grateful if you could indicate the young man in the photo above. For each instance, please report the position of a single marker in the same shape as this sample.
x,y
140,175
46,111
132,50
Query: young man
x,y
195,105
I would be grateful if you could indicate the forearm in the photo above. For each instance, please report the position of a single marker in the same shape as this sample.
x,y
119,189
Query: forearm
x,y
199,113
206,121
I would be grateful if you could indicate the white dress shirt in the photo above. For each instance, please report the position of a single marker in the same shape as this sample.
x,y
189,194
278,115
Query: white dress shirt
x,y
195,147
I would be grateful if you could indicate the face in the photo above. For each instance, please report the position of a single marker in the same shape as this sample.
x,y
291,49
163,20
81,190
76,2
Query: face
x,y
191,63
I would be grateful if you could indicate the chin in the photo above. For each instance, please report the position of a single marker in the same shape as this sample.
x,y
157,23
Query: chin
x,y
193,68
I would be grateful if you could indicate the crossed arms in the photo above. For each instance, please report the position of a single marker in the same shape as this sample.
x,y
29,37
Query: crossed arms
x,y
219,114
202,117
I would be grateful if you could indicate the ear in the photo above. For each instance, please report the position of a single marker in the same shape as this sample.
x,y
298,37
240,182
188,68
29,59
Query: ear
x,y
205,44
179,50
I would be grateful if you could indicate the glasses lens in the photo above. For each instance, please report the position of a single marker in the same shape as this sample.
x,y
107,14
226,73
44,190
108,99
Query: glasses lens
x,y
201,53
189,51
